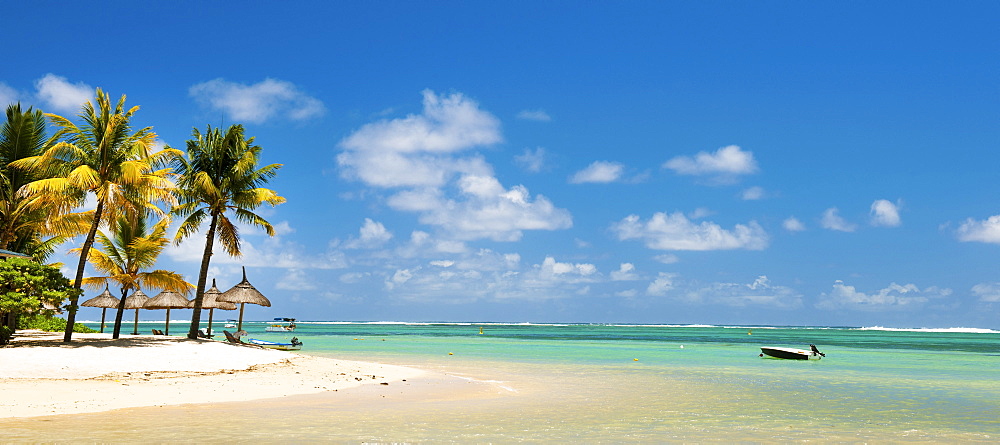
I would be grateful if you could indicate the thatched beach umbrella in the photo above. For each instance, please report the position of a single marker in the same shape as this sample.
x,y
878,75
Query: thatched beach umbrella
x,y
168,300
210,301
244,293
136,301
104,301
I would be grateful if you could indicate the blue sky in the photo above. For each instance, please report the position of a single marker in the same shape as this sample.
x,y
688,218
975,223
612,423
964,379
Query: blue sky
x,y
625,162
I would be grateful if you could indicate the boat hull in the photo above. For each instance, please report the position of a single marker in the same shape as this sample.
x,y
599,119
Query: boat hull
x,y
275,345
790,353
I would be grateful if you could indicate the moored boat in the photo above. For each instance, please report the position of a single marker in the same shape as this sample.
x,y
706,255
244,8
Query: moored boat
x,y
278,327
295,344
792,353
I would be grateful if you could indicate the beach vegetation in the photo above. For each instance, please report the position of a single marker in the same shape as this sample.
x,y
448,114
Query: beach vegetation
x,y
49,323
26,223
30,288
105,158
125,257
220,183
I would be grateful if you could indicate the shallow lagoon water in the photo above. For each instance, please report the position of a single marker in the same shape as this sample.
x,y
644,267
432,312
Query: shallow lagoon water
x,y
583,383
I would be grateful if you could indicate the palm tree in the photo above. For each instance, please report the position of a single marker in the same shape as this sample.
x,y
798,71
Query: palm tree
x,y
218,178
132,248
103,156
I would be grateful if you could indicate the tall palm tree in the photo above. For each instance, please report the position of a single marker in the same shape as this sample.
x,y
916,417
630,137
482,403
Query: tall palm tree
x,y
220,178
103,157
132,248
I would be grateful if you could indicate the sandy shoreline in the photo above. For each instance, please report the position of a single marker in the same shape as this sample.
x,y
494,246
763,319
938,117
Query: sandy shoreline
x,y
40,375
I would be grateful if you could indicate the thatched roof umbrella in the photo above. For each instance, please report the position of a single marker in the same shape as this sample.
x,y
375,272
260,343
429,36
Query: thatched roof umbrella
x,y
244,293
210,301
168,300
136,301
103,301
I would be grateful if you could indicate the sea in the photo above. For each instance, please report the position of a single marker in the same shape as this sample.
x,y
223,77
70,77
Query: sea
x,y
600,383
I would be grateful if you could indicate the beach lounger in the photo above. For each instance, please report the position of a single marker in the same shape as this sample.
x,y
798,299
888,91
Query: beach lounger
x,y
202,334
232,338
157,332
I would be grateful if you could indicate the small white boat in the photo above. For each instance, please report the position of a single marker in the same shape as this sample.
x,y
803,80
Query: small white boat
x,y
278,327
792,353
295,345
230,323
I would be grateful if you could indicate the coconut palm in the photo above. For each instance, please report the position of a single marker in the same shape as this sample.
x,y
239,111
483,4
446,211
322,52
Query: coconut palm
x,y
132,248
220,179
103,157
25,220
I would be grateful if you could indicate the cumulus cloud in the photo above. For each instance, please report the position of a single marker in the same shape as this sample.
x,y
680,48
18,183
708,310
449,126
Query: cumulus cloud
x,y
663,283
792,224
987,231
490,276
677,232
531,160
894,296
668,258
8,95
598,172
753,194
833,221
988,292
422,155
885,214
625,272
371,234
295,280
257,102
58,94
726,162
534,115
448,124
758,293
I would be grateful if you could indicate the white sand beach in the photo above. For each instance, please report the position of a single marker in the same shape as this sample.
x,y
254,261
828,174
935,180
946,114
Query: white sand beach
x,y
40,375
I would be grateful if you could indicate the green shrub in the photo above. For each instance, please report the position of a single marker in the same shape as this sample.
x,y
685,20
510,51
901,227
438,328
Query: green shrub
x,y
50,324
5,333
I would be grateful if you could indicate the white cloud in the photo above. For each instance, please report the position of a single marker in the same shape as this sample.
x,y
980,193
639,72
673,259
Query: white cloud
x,y
257,102
552,268
885,214
8,95
758,293
894,296
663,283
676,232
988,292
295,279
726,161
459,195
534,115
371,234
668,258
792,224
987,231
448,124
625,272
599,172
753,194
58,94
832,221
531,161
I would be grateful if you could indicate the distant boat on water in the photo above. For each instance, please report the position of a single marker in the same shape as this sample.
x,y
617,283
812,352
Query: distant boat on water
x,y
792,353
279,327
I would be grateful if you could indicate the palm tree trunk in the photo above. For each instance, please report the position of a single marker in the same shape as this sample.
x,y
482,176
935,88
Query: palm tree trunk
x,y
78,283
120,314
199,295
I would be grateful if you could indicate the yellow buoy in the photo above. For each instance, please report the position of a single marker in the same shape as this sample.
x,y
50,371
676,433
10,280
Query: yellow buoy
x,y
451,353
750,332
635,360
480,329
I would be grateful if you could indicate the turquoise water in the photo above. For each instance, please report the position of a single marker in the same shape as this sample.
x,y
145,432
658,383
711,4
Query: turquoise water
x,y
613,383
